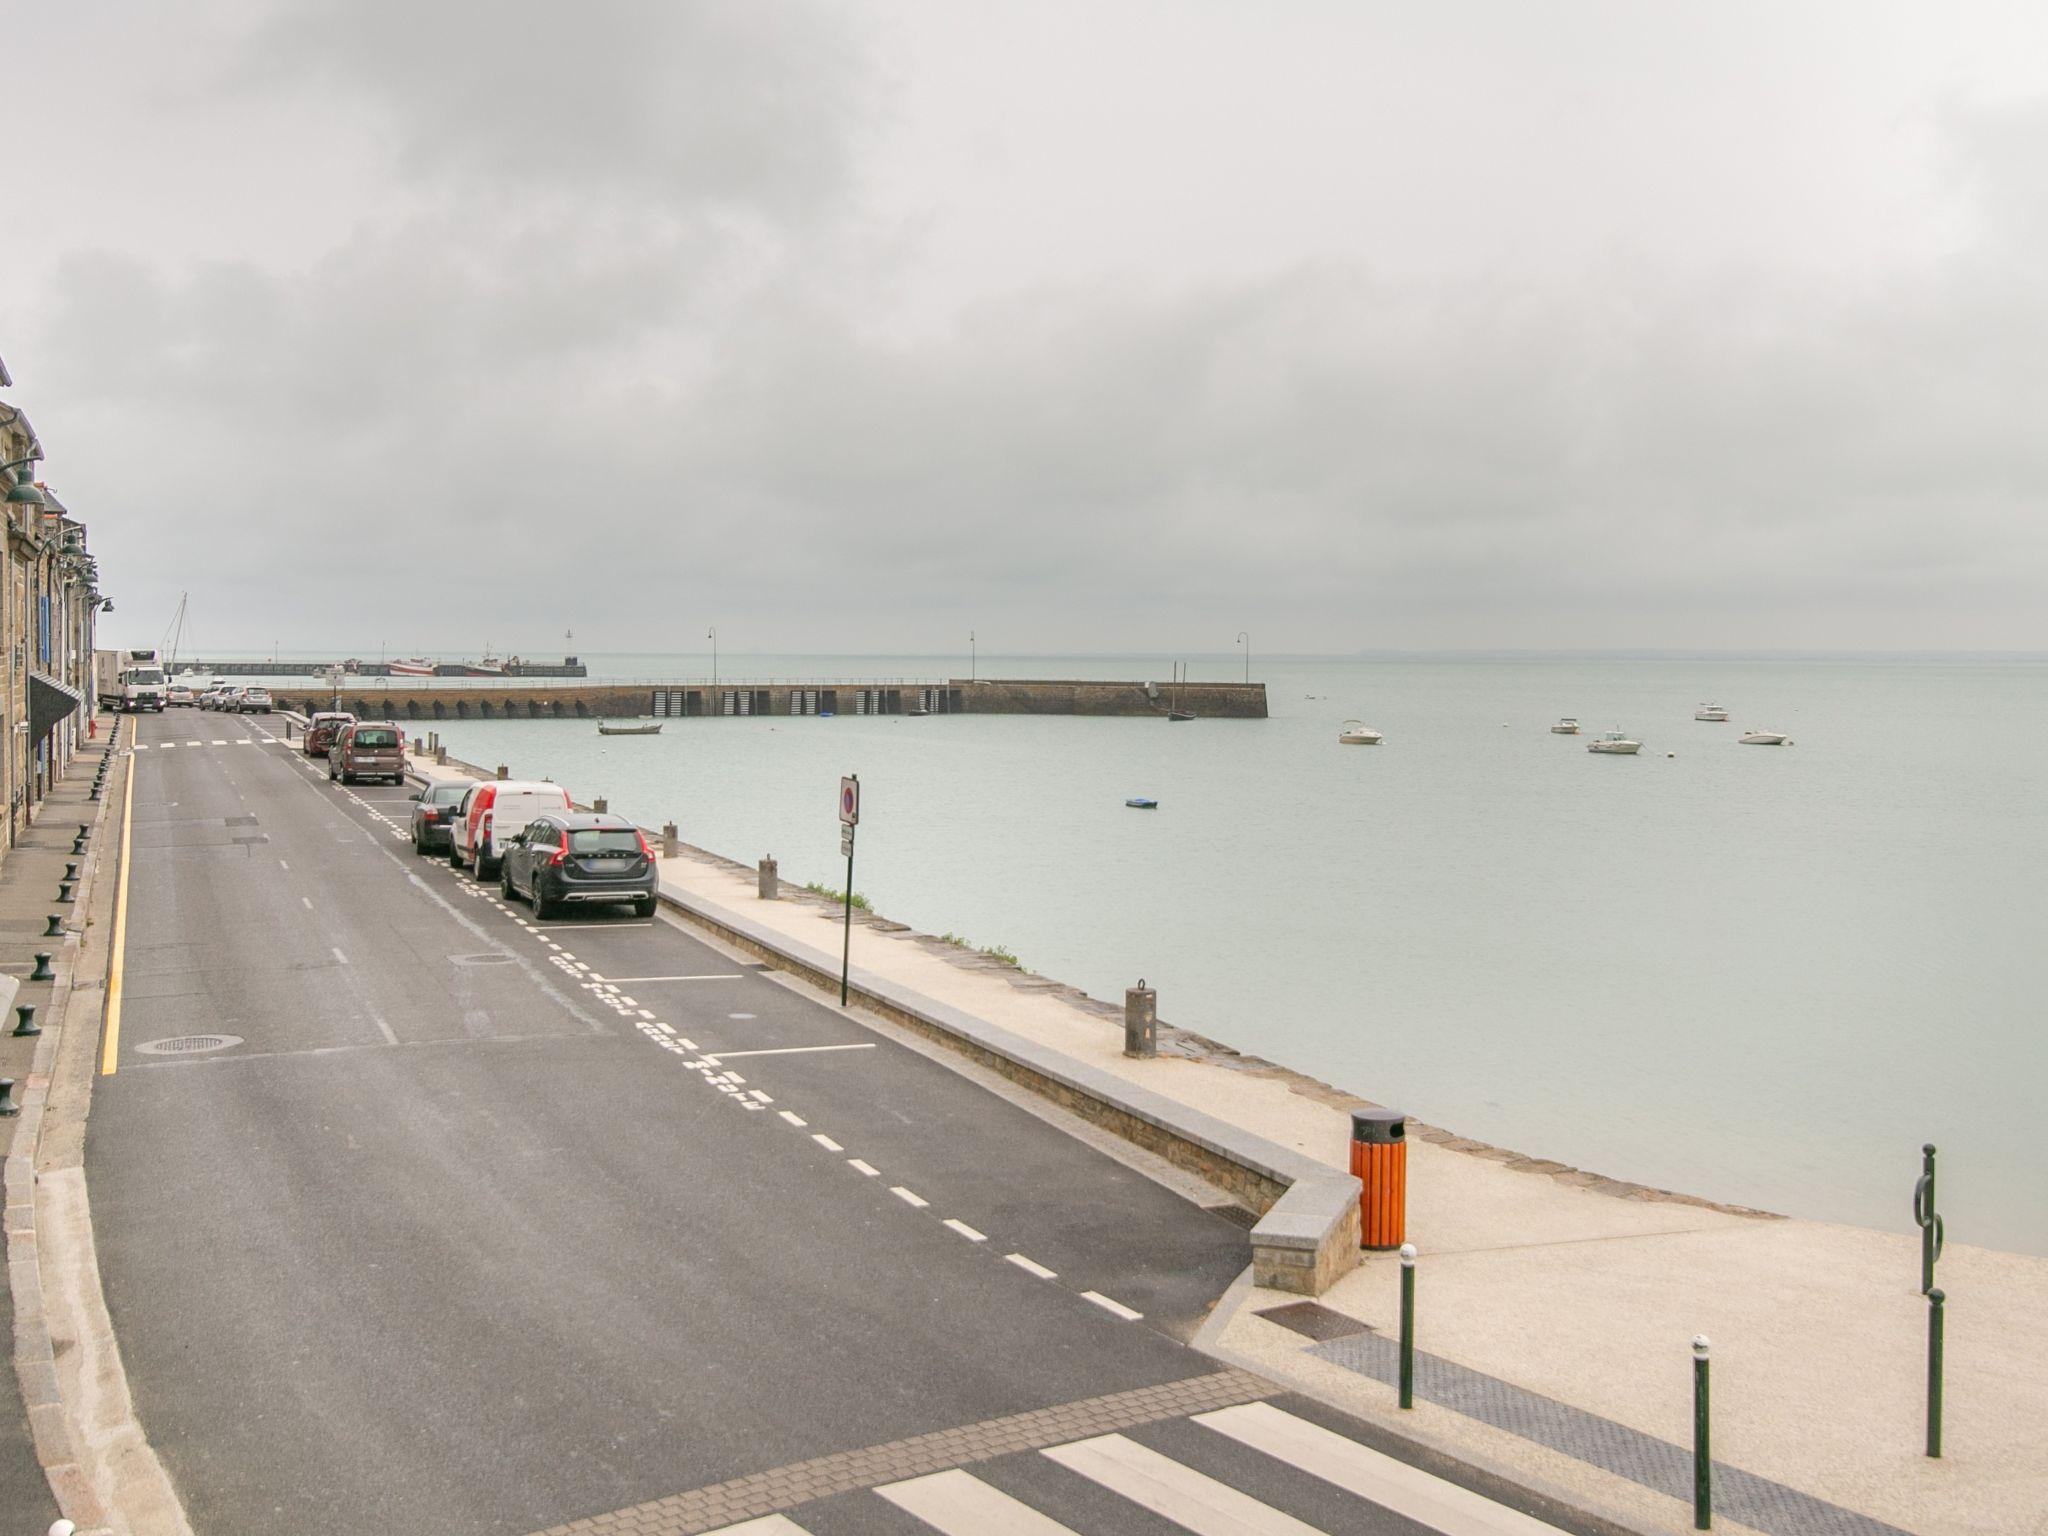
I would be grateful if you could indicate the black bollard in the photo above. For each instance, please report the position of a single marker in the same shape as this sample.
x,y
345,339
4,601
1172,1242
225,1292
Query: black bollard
x,y
70,871
7,1104
55,930
25,1016
42,972
64,891
84,830
78,845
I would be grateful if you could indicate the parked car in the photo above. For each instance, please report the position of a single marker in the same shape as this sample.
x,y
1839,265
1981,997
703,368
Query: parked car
x,y
228,700
207,699
561,860
178,693
492,813
367,749
320,729
255,701
433,813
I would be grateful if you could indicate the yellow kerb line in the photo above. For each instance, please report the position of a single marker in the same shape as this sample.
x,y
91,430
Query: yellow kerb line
x,y
110,1050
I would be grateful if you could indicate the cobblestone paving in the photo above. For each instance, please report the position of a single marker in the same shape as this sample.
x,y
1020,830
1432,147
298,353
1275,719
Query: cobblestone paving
x,y
766,1493
1657,1464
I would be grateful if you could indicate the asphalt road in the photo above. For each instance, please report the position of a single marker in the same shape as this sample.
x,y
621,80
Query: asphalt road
x,y
484,1226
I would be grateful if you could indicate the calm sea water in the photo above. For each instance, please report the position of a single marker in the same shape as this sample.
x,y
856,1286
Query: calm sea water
x,y
1764,976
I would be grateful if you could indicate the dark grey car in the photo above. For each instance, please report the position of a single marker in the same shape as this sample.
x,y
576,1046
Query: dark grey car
x,y
573,860
433,814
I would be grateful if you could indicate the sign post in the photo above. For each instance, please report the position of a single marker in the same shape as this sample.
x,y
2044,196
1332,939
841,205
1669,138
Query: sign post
x,y
849,818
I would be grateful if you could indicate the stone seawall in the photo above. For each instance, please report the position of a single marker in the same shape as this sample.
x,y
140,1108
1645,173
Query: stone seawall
x,y
688,700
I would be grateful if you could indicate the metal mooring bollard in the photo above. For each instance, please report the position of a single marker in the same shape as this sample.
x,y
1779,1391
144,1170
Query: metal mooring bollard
x,y
84,830
1141,1020
64,891
7,1104
42,972
1702,1454
78,845
1407,1325
55,927
768,880
70,871
25,1020
1931,1230
1935,1303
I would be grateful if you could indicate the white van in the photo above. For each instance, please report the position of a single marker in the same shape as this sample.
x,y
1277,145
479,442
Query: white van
x,y
492,814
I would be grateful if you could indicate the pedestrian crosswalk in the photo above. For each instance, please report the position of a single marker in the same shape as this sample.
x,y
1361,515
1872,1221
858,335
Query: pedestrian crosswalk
x,y
1338,1486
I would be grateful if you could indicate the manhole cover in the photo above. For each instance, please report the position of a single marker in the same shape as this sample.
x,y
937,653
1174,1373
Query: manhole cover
x,y
186,1045
492,958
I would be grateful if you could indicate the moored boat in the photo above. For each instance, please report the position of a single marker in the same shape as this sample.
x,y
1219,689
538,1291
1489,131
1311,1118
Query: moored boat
x,y
412,666
1565,727
1710,712
1615,743
651,729
1764,739
1142,803
1357,733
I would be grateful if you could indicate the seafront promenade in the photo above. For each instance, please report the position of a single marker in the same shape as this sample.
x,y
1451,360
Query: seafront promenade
x,y
1557,1306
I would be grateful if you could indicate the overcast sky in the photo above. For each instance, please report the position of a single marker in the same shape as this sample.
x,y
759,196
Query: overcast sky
x,y
1093,325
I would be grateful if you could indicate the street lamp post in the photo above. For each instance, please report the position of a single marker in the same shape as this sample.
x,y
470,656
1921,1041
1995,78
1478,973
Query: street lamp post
x,y
1245,640
712,636
973,659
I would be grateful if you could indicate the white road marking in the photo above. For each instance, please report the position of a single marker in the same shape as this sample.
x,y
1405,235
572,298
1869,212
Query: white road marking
x,y
1361,1470
588,927
282,865
1108,1305
907,1197
142,746
688,1044
739,1015
218,742
797,1120
826,1142
1186,1497
767,1525
759,1097
718,976
959,1504
189,743
646,1013
792,1050
338,955
864,1169
385,1030
307,902
1031,1266
965,1230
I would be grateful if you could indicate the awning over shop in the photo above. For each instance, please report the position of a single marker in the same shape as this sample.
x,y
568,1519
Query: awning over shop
x,y
48,702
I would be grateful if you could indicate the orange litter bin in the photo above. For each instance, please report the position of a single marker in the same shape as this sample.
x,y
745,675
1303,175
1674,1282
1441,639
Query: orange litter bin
x,y
1379,1158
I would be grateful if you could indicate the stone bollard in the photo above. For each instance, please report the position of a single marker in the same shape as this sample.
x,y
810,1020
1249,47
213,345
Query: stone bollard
x,y
419,746
671,844
42,972
504,772
1141,1020
25,1020
600,805
770,886
440,756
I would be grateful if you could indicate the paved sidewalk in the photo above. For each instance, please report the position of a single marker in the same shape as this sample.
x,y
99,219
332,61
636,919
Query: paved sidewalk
x,y
1584,1293
29,881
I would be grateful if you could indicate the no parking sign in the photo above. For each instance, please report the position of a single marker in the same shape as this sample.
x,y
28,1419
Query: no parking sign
x,y
849,801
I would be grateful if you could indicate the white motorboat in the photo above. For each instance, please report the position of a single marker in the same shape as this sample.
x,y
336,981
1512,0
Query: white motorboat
x,y
1565,727
1615,742
1764,739
1357,733
1710,712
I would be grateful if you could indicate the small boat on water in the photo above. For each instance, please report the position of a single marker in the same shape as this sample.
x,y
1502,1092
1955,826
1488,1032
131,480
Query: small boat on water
x,y
652,728
1357,733
1710,712
1764,739
1616,743
412,666
1142,803
1565,727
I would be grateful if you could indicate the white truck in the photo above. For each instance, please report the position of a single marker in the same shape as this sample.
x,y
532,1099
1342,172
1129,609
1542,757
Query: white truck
x,y
128,680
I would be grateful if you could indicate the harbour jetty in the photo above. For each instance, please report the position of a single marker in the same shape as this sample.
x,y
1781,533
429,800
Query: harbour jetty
x,y
353,670
495,699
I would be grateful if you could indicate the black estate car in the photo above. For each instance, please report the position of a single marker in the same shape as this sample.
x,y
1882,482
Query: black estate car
x,y
569,859
433,813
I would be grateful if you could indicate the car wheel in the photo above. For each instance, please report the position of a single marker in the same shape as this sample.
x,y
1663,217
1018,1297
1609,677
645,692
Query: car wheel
x,y
505,886
486,866
454,853
644,907
419,848
330,773
543,909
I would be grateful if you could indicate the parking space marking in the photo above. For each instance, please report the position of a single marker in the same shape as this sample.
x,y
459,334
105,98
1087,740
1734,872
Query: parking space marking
x,y
826,1142
796,1120
865,1169
1031,1266
964,1230
719,976
1107,1305
790,1050
915,1201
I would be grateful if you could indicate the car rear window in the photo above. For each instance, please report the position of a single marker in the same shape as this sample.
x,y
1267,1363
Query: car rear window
x,y
604,840
376,738
446,794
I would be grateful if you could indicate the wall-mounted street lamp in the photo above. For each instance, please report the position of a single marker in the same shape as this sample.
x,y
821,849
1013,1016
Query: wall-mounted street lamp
x,y
711,634
1245,640
23,493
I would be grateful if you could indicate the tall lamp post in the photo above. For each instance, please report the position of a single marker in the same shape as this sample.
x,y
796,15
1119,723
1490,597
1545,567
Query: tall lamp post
x,y
973,659
712,635
1245,640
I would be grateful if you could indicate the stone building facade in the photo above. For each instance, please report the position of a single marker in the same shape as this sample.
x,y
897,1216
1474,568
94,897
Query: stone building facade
x,y
49,602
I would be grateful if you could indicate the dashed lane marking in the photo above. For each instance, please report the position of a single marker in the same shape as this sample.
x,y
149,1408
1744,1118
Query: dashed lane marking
x,y
306,902
826,1142
338,954
866,1170
1109,1305
796,1120
719,976
1031,1266
965,1230
791,1050
908,1197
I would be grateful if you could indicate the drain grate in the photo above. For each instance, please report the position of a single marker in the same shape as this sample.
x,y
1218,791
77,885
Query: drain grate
x,y
1315,1320
185,1045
